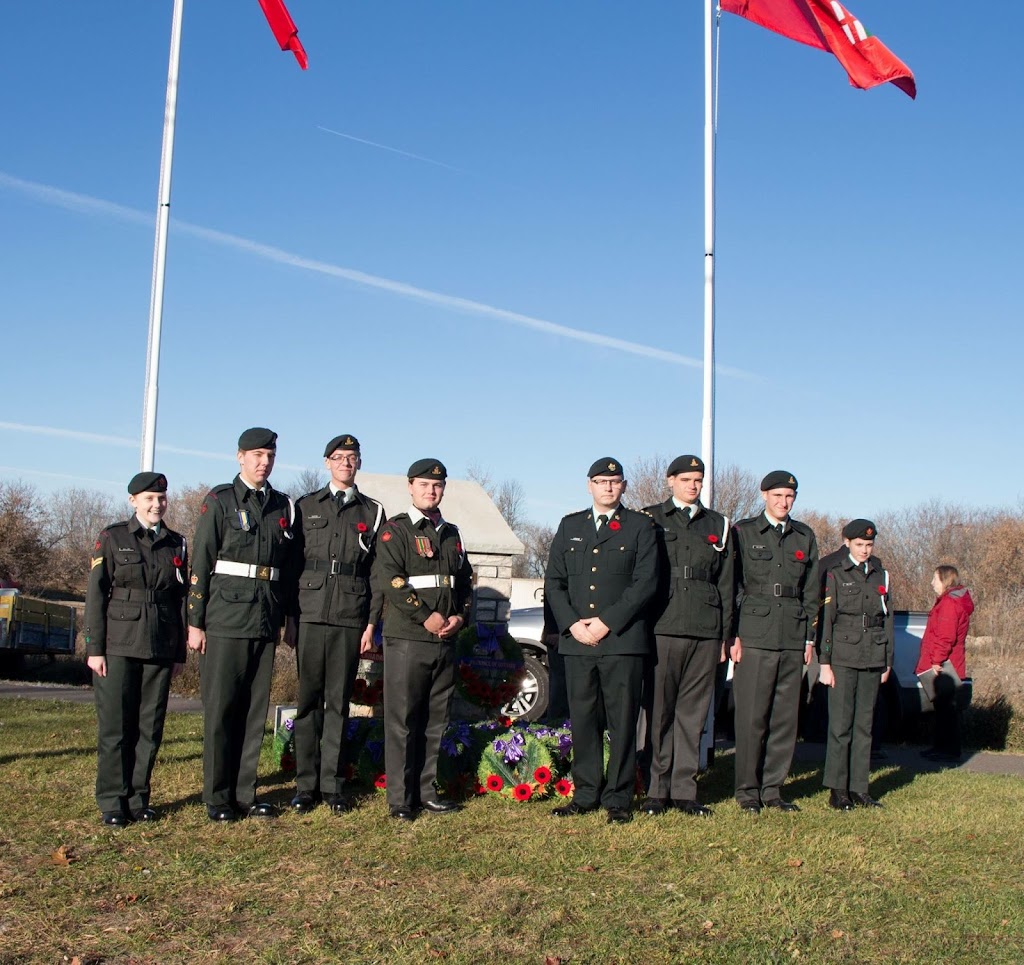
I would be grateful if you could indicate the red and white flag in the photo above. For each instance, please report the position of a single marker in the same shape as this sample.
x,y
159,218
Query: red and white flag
x,y
829,26
285,32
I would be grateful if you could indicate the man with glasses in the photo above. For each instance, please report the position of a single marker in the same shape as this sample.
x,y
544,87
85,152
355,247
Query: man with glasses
x,y
335,542
602,573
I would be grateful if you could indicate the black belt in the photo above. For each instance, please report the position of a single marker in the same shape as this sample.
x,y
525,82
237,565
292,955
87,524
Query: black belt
x,y
864,623
334,567
771,589
139,595
691,573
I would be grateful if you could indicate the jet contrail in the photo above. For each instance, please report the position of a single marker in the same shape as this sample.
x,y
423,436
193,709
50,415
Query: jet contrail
x,y
84,203
393,150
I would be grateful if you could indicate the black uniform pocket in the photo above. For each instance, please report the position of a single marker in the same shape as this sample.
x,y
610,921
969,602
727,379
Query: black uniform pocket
x,y
795,623
574,561
755,620
621,561
124,611
851,637
239,593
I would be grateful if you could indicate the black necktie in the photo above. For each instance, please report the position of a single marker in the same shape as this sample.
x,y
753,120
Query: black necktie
x,y
601,520
780,529
258,496
339,498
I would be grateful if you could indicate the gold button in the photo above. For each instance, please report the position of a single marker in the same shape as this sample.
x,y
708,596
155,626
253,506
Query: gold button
x,y
592,586
593,569
597,551
592,606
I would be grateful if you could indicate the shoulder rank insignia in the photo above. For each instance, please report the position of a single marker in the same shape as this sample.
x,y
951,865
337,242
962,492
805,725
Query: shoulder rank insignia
x,y
95,561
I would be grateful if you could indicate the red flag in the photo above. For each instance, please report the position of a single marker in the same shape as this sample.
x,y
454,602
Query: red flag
x,y
829,26
285,31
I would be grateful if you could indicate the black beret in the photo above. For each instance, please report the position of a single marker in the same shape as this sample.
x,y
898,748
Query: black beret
x,y
778,479
689,463
147,482
341,442
257,438
427,469
605,467
860,529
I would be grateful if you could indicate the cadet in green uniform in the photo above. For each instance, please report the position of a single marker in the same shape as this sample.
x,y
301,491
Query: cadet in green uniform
x,y
335,533
777,588
695,589
602,573
236,607
856,654
135,641
427,582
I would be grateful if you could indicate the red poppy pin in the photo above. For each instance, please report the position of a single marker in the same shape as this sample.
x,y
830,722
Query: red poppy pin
x,y
614,525
203,509
458,547
97,544
177,561
362,527
283,523
386,535
882,590
712,539
799,554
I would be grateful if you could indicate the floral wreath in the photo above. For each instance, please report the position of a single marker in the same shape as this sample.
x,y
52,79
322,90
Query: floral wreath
x,y
498,644
527,762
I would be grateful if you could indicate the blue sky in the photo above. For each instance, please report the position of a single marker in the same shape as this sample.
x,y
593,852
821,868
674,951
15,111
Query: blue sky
x,y
525,292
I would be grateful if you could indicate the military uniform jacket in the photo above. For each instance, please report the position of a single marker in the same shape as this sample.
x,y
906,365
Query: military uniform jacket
x,y
856,616
409,548
233,527
695,572
134,605
334,551
776,583
611,574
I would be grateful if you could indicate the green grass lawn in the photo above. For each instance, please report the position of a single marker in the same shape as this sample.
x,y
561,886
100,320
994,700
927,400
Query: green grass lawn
x,y
937,875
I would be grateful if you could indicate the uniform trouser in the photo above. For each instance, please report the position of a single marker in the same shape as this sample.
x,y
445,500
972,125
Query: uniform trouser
x,y
604,689
419,680
131,705
327,659
766,686
234,677
851,711
684,681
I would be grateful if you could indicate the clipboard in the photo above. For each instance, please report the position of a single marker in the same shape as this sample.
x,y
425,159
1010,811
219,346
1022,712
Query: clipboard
x,y
946,682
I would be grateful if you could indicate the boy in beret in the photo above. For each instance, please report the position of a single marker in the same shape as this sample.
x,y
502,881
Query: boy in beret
x,y
236,606
602,573
335,545
135,643
856,654
777,590
425,576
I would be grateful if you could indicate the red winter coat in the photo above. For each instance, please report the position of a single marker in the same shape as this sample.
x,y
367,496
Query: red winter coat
x,y
946,631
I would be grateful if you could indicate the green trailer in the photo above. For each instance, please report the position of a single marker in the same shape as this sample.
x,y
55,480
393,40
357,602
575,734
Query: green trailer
x,y
28,625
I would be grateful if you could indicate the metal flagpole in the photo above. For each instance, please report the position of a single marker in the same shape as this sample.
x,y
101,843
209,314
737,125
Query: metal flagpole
x,y
163,209
708,425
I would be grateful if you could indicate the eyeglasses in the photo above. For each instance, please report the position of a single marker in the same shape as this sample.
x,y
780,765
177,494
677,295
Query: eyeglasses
x,y
344,460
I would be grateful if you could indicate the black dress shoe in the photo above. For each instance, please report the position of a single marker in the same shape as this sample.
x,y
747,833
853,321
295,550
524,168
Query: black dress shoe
x,y
221,812
441,807
145,814
619,816
261,809
839,800
692,807
653,806
787,806
116,819
303,802
865,800
339,804
403,814
570,810
750,807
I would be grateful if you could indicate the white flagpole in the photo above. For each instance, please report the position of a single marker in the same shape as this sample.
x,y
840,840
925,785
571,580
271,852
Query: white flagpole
x,y
708,425
163,210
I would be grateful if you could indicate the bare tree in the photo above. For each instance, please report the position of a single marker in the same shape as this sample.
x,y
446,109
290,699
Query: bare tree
x,y
74,519
536,539
24,551
737,492
308,481
647,482
184,507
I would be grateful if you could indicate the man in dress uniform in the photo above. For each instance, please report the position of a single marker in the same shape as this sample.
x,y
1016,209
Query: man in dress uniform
x,y
335,533
856,653
427,581
777,588
135,642
602,573
695,589
236,607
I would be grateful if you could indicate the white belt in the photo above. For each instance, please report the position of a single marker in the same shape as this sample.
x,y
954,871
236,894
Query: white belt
x,y
426,582
251,570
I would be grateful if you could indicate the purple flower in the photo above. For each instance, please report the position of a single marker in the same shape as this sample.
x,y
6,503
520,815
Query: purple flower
x,y
289,724
512,749
564,744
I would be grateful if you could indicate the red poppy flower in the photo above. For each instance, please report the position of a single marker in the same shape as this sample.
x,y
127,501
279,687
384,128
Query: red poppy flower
x,y
478,788
359,688
287,762
97,544
614,525
381,782
386,535
362,527
203,509
494,783
799,554
522,792
564,787
882,590
505,721
177,561
542,775
283,523
712,538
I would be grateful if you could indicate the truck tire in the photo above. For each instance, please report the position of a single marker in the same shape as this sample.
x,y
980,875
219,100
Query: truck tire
x,y
532,700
